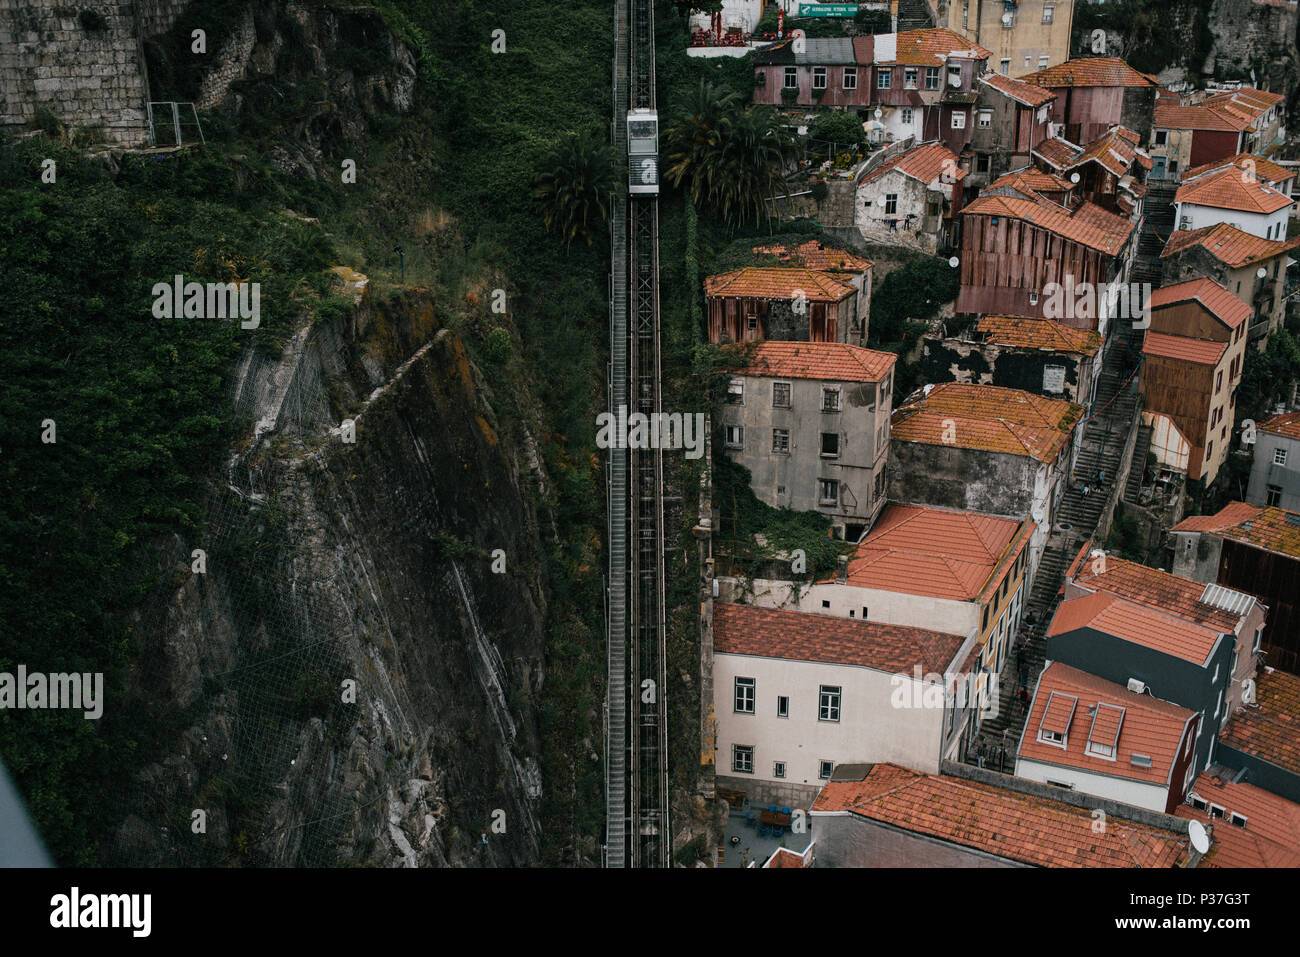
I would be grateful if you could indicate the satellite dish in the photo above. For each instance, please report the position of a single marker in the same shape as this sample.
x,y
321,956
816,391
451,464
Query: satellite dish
x,y
954,79
1074,177
1200,837
878,113
1248,691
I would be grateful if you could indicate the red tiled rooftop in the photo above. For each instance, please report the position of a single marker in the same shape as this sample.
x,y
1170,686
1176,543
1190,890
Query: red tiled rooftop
x,y
764,282
816,255
1143,625
1154,588
1148,727
1232,246
1287,424
1114,150
1270,837
1007,824
1088,224
1230,514
1090,71
1271,731
1029,94
1222,304
1201,351
923,163
1032,333
928,47
987,418
829,361
1057,152
1230,189
1175,116
1261,168
1032,181
1245,102
800,636
1271,529
939,553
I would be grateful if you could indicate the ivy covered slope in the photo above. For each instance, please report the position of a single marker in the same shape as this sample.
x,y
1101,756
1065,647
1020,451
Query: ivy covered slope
x,y
139,404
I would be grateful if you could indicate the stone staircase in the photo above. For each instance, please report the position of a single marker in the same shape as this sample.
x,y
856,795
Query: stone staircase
x,y
1138,468
1156,227
914,15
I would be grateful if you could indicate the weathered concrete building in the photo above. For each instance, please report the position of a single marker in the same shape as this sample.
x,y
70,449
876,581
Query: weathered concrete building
x,y
1275,472
842,264
1013,352
986,449
1094,94
810,420
1011,121
911,198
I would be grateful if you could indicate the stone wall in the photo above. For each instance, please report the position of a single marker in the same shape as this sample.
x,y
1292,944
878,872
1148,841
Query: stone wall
x,y
81,63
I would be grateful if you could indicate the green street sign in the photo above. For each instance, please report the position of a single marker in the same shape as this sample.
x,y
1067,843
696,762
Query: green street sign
x,y
828,9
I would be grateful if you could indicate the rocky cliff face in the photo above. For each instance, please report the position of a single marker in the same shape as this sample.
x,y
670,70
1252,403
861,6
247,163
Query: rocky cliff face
x,y
354,677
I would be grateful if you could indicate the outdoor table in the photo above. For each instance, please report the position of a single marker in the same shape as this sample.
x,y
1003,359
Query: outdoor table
x,y
774,819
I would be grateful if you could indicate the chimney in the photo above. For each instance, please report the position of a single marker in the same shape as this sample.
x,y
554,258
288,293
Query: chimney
x,y
893,16
842,570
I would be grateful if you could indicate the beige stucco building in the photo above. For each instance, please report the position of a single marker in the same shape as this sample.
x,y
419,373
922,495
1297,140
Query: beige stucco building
x,y
1023,36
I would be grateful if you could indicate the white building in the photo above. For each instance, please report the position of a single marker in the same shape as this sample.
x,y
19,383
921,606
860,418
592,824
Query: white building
x,y
1232,195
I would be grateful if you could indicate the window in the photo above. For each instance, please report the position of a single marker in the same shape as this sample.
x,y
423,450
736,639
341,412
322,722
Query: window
x,y
882,80
932,78
1216,811
831,444
1162,137
1005,66
783,707
735,436
736,390
850,81
1279,456
778,769
891,204
819,78
985,119
828,491
825,769
1236,819
1273,496
905,116
792,78
828,706
780,395
751,321
1196,801
1101,750
1218,704
1033,298
744,703
1218,381
781,441
826,603
910,76
831,399
1209,451
864,612
1042,62
742,758
954,76
1051,737
1048,12
984,620
959,121
981,163
1259,640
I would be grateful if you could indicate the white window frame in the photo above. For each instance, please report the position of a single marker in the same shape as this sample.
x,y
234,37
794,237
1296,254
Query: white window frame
x,y
737,752
985,119
1054,738
884,79
830,700
1042,62
850,73
1005,66
1279,456
791,73
744,691
958,120
932,78
905,116
891,204
827,392
778,769
819,73
782,706
736,391
1049,12
822,773
911,77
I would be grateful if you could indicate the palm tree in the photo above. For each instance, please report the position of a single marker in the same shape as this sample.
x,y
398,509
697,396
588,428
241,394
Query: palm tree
x,y
573,188
730,157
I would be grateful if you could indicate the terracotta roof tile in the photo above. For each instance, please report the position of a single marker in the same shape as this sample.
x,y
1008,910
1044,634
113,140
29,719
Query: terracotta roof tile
x,y
829,361
1156,589
1246,102
800,636
1287,424
1143,625
1230,514
1232,246
1088,225
1030,181
762,282
1272,529
1264,170
931,47
987,417
1114,150
1004,823
1058,152
1029,94
1201,351
816,255
923,163
1222,304
1231,189
1148,726
1270,837
1030,333
1271,731
1170,116
936,552
1090,71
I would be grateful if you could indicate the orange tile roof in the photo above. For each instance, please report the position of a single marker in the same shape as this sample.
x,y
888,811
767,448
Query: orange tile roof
x,y
1220,303
815,254
1031,333
764,282
1029,94
1230,514
936,552
1007,824
1232,246
1057,152
1030,181
1088,225
800,636
1171,116
1265,170
1114,149
1245,102
783,857
1090,71
1271,731
1271,837
1148,726
989,418
1154,588
932,46
1231,189
1143,625
922,163
1287,424
830,361
1204,352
